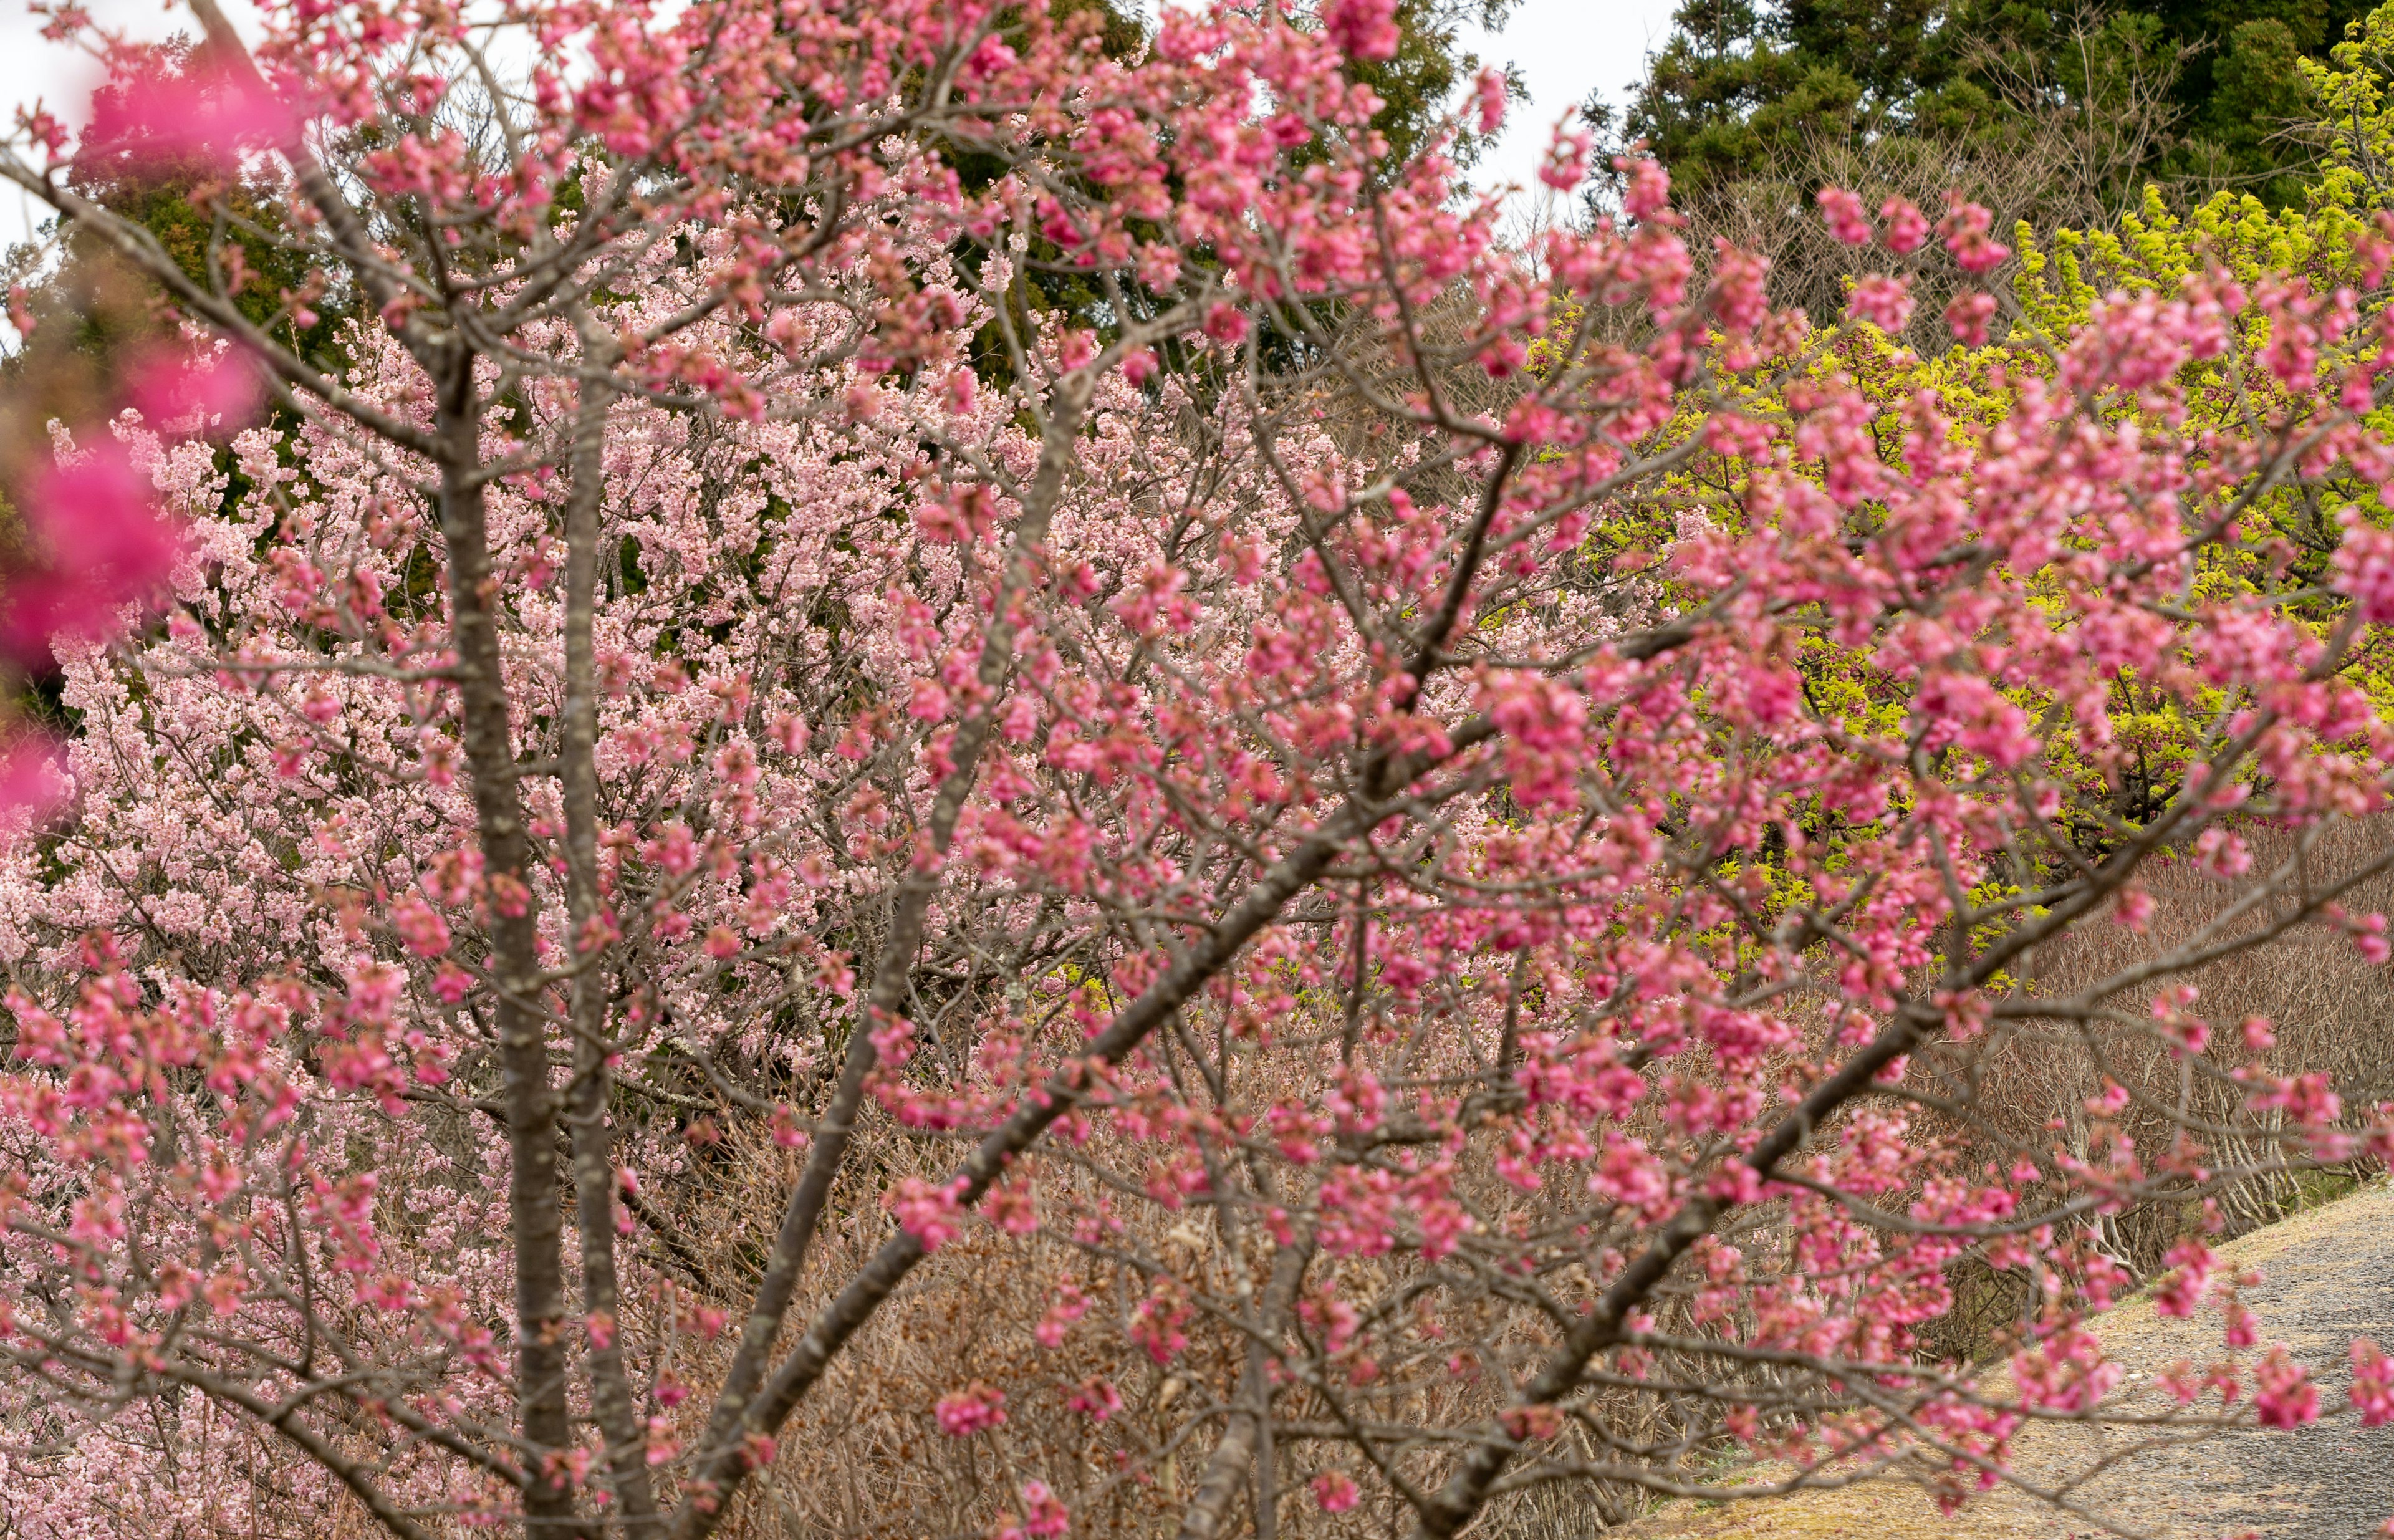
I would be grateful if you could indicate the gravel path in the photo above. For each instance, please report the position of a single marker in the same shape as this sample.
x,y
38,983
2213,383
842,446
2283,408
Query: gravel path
x,y
2335,1481
2328,1276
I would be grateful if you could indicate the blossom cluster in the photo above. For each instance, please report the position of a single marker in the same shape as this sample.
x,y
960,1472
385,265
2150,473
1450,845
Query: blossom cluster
x,y
1436,874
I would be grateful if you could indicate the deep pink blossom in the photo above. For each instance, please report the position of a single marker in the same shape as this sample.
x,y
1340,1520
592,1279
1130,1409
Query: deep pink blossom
x,y
755,728
1844,213
2372,1383
1362,29
1336,1491
976,1409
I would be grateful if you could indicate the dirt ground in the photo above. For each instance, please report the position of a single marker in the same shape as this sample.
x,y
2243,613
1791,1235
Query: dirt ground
x,y
2328,1277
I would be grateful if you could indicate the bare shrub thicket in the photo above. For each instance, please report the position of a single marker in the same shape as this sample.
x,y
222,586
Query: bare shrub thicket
x,y
869,1458
2041,1084
874,1462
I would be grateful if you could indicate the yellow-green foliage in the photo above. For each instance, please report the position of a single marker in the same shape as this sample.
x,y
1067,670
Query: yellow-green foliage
x,y
2283,542
2350,92
2155,249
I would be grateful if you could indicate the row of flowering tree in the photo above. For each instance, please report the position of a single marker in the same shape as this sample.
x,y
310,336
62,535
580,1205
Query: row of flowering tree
x,y
920,684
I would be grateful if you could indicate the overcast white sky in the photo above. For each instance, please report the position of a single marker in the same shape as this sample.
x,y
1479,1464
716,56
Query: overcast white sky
x,y
1564,47
61,77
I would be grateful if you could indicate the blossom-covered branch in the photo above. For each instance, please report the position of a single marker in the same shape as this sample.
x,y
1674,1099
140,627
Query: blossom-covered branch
x,y
921,681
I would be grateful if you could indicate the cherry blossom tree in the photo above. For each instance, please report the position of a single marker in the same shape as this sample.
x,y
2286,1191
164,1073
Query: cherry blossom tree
x,y
914,663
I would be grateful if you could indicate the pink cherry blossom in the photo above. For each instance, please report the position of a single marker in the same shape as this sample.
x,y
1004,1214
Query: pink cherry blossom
x,y
976,1409
937,718
2373,1383
1843,212
2283,1394
1885,302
